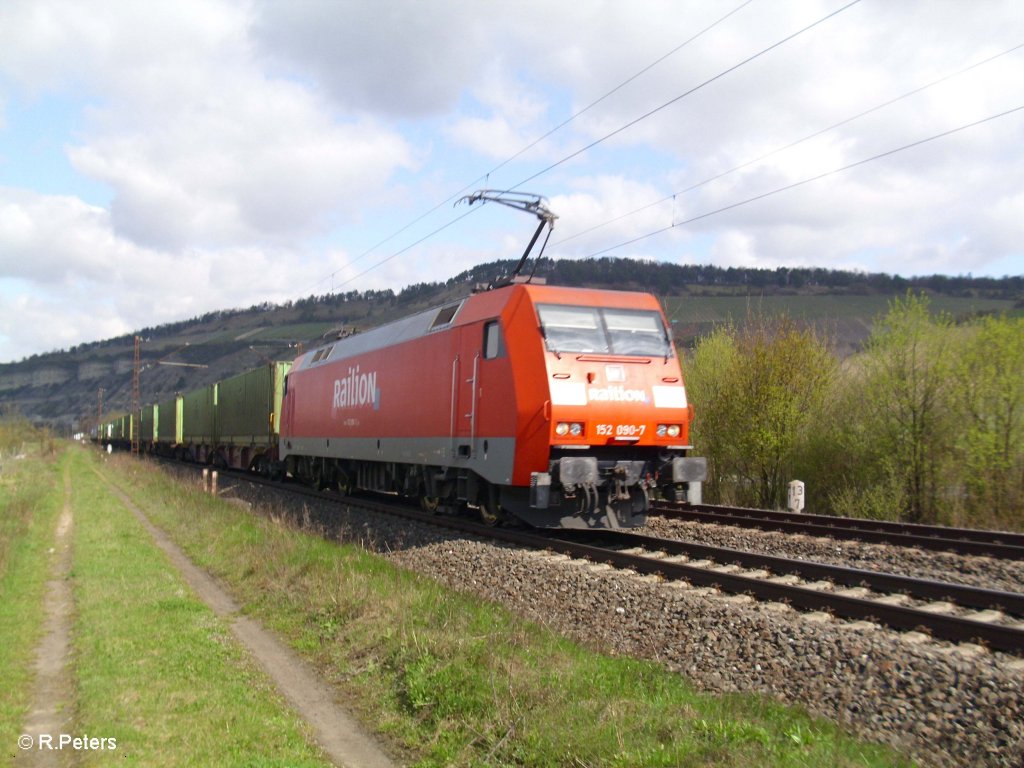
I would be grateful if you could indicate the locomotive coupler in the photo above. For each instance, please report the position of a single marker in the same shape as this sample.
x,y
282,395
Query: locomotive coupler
x,y
626,475
620,479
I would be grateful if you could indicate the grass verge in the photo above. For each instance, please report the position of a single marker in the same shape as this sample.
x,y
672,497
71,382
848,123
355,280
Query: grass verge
x,y
155,668
457,681
31,497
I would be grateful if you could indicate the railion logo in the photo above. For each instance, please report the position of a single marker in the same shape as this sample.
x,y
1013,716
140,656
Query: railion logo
x,y
617,395
357,390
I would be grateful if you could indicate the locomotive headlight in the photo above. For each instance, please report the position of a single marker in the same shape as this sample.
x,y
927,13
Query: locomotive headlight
x,y
668,430
572,428
662,430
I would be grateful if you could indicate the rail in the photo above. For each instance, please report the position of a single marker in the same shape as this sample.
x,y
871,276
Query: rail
x,y
966,541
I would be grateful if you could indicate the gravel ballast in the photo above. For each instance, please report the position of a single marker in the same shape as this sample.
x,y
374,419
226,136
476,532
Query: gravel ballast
x,y
987,572
942,704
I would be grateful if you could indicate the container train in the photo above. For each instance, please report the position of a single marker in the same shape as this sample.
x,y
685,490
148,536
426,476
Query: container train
x,y
557,407
554,406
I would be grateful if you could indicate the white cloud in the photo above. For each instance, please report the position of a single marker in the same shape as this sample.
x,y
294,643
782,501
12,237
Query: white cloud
x,y
269,168
51,240
251,148
197,142
515,117
589,217
396,59
74,279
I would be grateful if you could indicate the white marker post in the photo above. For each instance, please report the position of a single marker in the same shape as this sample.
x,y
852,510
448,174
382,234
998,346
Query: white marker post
x,y
796,496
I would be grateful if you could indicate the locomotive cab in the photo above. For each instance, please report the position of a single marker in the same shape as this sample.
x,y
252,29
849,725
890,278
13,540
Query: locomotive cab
x,y
616,415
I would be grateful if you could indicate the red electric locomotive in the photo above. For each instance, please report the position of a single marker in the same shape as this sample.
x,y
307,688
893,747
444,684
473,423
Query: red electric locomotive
x,y
561,407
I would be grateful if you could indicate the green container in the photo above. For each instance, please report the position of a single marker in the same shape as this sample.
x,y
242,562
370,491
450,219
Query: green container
x,y
169,421
199,416
249,406
149,423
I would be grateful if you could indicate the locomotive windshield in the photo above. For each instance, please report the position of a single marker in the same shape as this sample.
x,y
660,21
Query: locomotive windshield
x,y
602,330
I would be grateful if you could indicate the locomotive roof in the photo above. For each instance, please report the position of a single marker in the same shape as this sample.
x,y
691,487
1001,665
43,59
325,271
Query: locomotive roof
x,y
396,332
444,316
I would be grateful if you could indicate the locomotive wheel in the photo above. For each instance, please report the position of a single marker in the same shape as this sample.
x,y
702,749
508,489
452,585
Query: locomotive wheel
x,y
261,465
345,485
430,504
489,508
316,474
488,516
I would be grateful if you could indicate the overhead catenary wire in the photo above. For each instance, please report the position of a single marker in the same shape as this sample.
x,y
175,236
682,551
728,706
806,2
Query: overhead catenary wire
x,y
802,182
531,145
790,145
683,95
614,90
410,246
595,143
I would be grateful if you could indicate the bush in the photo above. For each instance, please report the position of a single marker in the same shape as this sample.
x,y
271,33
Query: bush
x,y
926,425
989,448
759,392
15,432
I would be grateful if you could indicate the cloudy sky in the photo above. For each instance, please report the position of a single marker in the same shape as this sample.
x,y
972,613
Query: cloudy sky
x,y
159,160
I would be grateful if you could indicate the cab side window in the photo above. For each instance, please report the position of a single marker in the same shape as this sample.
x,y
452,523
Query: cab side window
x,y
494,344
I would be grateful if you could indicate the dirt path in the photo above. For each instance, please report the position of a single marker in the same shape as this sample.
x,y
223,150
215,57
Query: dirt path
x,y
340,736
52,708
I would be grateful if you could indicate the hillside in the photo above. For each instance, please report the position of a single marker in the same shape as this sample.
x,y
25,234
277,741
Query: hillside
x,y
61,389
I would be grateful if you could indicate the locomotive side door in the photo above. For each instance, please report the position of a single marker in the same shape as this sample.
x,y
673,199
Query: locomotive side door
x,y
483,396
465,392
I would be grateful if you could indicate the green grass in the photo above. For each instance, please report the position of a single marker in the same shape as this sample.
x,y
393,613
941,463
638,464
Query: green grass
x,y
31,496
155,668
456,681
152,667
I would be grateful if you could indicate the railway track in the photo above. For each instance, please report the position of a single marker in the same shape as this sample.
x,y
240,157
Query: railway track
x,y
965,541
946,611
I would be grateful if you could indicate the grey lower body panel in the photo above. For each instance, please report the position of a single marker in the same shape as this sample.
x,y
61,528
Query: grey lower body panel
x,y
580,491
491,458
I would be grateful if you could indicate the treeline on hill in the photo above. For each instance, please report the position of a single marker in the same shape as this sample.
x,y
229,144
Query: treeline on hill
x,y
622,273
925,425
666,278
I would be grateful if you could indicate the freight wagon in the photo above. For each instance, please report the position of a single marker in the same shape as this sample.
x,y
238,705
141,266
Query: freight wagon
x,y
248,416
235,422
